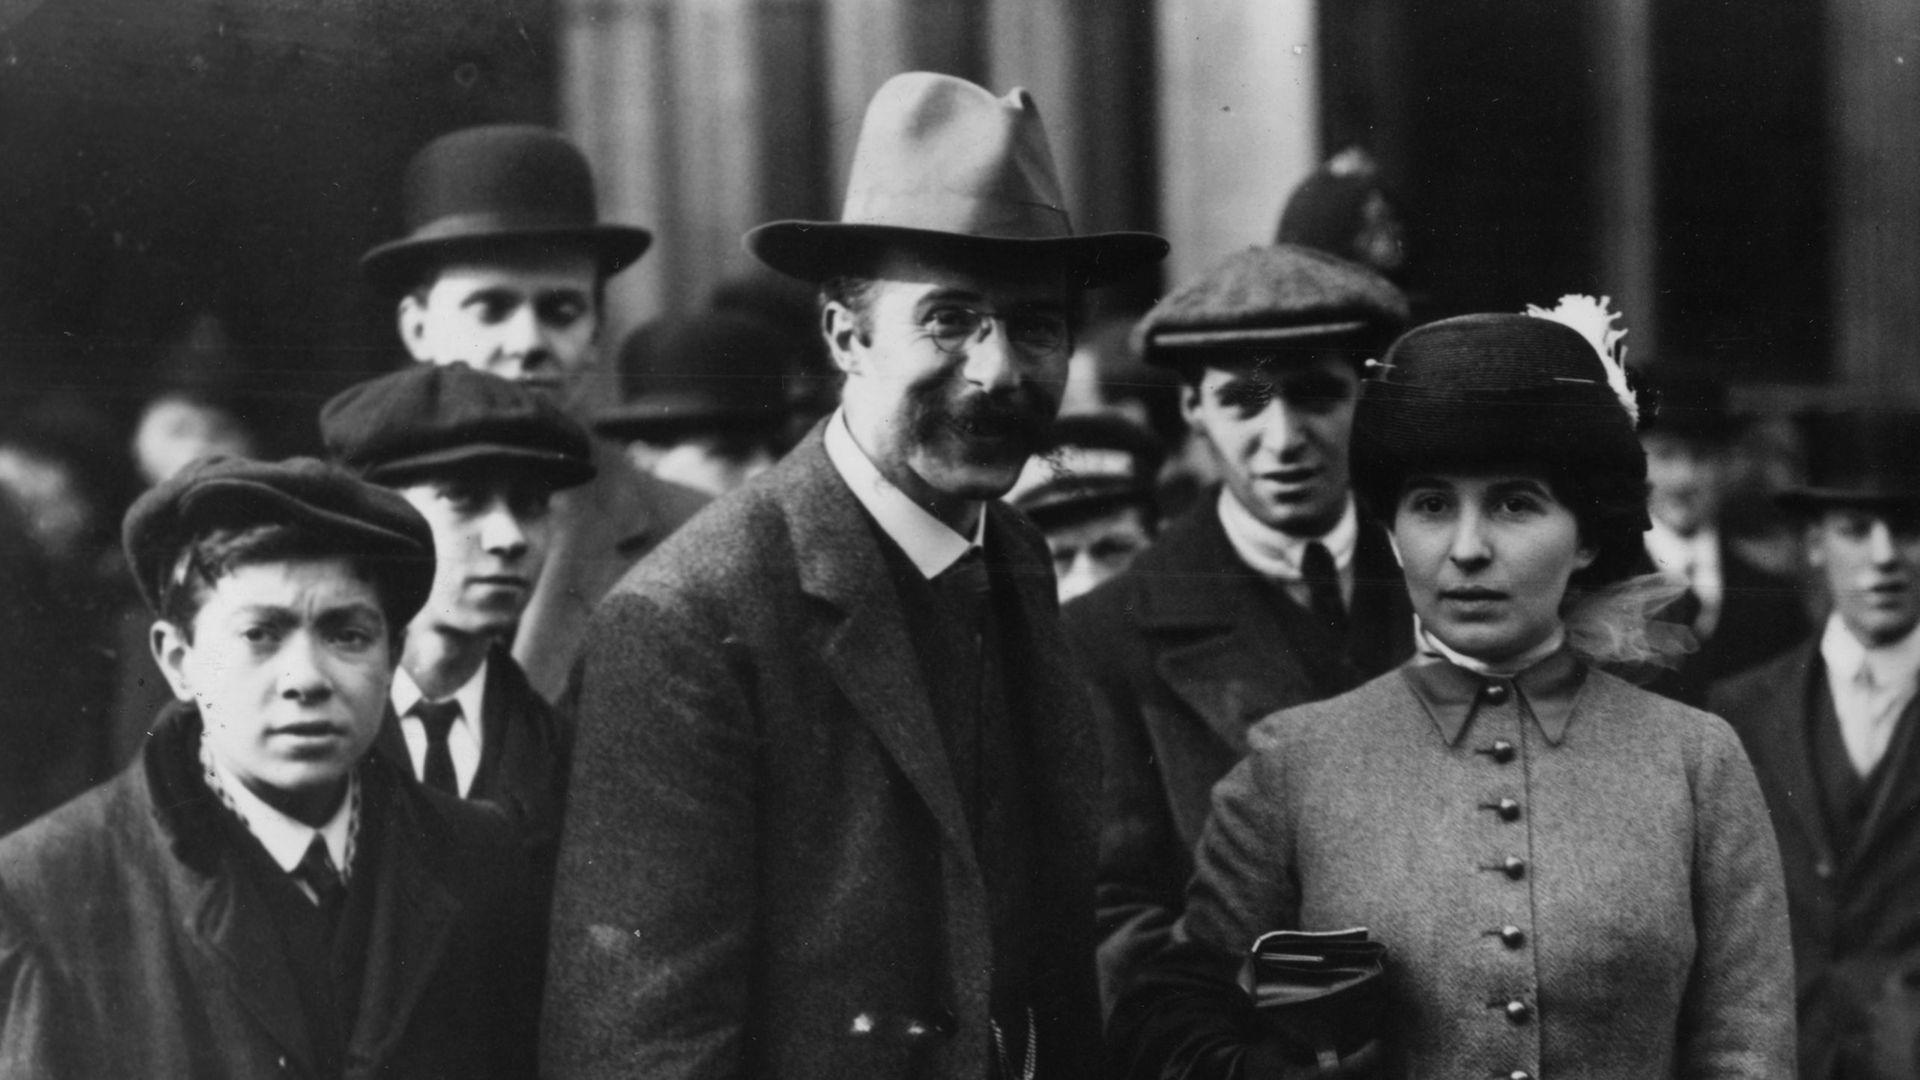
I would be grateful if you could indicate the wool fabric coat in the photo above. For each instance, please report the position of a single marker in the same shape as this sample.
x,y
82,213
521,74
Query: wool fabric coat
x,y
1855,913
134,942
766,868
1622,919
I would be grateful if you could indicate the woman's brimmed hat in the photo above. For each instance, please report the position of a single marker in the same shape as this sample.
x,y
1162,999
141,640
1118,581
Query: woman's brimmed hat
x,y
942,165
1496,389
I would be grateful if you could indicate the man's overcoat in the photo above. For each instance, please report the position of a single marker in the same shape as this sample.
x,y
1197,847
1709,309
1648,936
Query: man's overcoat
x,y
1183,653
135,943
1856,918
766,868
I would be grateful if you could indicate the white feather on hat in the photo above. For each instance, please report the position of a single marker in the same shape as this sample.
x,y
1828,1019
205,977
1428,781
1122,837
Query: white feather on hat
x,y
1594,320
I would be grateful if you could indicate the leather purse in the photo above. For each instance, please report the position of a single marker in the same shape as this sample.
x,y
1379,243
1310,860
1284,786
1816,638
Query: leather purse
x,y
1320,990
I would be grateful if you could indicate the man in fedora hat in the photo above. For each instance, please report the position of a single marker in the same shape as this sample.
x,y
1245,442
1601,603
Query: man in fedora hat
x,y
504,268
1833,729
258,894
1272,591
481,459
833,802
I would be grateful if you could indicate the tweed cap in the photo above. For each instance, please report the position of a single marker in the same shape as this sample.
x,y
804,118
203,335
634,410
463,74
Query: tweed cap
x,y
718,370
427,417
1269,299
1859,458
367,523
1492,390
1091,462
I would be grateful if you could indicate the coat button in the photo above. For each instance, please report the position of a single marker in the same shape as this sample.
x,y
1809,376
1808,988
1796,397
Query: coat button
x,y
1497,692
1519,1011
1823,870
1508,809
1514,867
1512,937
1503,751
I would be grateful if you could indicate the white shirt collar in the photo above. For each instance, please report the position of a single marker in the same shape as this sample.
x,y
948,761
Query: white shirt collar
x,y
1891,666
1277,555
926,539
286,839
1433,647
471,695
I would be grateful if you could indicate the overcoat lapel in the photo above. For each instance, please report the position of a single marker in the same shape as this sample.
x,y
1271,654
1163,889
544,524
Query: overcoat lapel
x,y
1786,744
862,637
1896,798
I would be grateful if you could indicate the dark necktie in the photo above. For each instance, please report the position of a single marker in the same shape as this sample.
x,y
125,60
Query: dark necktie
x,y
438,717
966,586
1323,589
317,871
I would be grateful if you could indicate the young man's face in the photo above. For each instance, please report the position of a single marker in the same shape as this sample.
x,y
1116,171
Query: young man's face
x,y
1088,552
1685,479
490,538
527,314
1280,435
289,663
1871,559
951,416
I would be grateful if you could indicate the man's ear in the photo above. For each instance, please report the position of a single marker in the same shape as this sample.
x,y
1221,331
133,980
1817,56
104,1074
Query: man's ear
x,y
841,327
412,319
170,649
1190,404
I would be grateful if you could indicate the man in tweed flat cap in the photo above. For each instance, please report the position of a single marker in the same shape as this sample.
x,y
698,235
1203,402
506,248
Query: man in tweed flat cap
x,y
1269,592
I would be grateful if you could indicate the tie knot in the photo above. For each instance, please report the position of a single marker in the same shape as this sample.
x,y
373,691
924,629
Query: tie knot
x,y
1317,563
437,717
967,576
322,878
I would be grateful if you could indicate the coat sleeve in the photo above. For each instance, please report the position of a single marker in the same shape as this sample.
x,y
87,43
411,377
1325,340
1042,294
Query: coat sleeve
x,y
649,973
1737,1016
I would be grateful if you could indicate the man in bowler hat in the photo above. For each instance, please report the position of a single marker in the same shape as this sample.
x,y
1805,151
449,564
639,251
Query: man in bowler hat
x,y
832,810
257,895
1833,729
1272,591
480,458
504,269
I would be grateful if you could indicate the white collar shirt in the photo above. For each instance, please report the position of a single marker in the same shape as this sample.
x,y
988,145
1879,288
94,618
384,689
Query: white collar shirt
x,y
928,542
1871,688
1279,557
285,838
463,738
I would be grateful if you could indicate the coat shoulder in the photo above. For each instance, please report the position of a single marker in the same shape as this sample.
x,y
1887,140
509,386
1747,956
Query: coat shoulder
x,y
1337,718
78,848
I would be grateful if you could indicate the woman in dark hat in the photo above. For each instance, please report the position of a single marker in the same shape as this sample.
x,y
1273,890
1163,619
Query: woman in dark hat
x,y
1572,877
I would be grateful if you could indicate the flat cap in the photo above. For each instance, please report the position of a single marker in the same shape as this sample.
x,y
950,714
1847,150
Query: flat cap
x,y
368,523
428,417
1092,462
1278,295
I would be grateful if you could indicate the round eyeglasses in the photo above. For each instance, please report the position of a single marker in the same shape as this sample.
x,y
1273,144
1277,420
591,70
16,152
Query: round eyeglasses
x,y
1037,334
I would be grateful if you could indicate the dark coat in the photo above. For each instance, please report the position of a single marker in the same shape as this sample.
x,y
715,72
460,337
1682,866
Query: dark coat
x,y
1646,893
766,868
526,750
1183,652
1761,616
134,943
1856,921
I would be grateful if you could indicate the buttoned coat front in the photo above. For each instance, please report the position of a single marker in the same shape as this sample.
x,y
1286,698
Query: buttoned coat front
x,y
1636,866
766,869
1182,654
1856,920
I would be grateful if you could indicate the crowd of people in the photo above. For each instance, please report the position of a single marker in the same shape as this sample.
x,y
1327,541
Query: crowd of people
x,y
898,678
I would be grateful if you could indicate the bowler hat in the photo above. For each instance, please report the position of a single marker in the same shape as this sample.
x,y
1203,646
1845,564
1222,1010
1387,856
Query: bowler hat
x,y
1692,404
501,182
365,522
1272,299
427,417
1859,458
715,370
944,165
1091,462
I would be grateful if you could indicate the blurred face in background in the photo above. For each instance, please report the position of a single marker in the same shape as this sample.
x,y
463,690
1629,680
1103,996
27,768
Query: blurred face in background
x,y
1686,481
530,314
714,464
1088,551
176,430
1279,433
1870,557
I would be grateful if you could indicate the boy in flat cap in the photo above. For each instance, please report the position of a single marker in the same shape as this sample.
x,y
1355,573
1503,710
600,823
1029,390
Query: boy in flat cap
x,y
832,809
1270,592
480,458
504,269
257,895
1091,492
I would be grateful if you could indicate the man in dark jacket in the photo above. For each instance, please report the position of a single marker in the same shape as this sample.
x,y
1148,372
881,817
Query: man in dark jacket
x,y
1271,592
256,895
480,458
504,268
832,809
1833,729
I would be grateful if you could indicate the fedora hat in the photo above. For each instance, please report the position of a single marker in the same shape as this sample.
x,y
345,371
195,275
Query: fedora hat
x,y
500,182
944,165
1859,458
